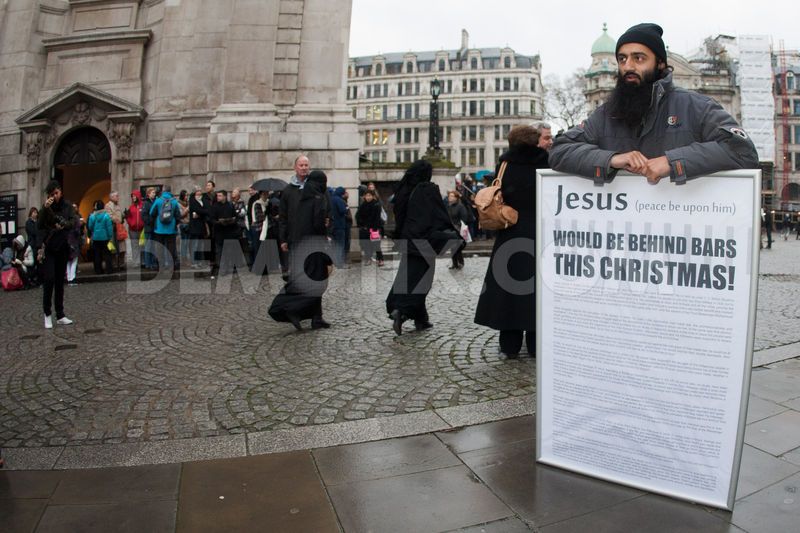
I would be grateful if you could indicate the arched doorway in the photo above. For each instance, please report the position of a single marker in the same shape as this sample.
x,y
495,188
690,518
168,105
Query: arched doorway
x,y
81,164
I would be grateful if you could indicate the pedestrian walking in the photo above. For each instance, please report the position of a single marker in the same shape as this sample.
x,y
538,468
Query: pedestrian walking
x,y
310,264
423,228
370,228
56,218
507,302
459,218
339,211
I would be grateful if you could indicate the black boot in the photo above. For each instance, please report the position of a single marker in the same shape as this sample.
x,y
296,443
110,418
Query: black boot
x,y
318,323
422,325
295,321
398,319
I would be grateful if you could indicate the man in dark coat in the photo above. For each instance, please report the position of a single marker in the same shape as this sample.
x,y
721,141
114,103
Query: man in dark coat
x,y
222,215
56,218
650,127
309,261
507,302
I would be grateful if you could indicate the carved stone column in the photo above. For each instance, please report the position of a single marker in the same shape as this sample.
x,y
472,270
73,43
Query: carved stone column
x,y
122,135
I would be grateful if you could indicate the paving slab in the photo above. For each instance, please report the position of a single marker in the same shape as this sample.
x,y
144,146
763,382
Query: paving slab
x,y
538,493
489,411
760,470
432,501
136,517
21,516
279,492
28,484
382,459
647,513
775,435
772,384
490,434
507,525
108,485
759,409
775,509
31,458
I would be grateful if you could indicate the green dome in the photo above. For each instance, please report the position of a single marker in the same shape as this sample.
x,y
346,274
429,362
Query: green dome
x,y
604,44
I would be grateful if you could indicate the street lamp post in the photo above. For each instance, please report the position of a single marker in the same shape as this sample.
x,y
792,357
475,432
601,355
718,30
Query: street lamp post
x,y
433,136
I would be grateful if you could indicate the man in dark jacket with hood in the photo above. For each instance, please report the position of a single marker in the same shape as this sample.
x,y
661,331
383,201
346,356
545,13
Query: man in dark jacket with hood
x,y
56,219
223,216
339,223
650,127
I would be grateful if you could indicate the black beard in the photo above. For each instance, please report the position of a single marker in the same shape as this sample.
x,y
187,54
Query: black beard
x,y
630,102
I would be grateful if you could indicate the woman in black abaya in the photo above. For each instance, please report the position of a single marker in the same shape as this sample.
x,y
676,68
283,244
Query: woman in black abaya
x,y
422,228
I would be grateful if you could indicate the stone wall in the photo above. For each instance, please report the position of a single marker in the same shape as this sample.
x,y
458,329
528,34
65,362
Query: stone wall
x,y
185,90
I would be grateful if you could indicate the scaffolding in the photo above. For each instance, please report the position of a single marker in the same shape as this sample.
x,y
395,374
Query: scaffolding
x,y
757,99
783,92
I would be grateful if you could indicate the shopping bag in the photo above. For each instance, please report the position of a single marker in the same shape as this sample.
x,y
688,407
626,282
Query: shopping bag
x,y
464,231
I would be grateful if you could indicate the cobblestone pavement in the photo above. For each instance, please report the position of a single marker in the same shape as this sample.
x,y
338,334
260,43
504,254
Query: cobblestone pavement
x,y
201,358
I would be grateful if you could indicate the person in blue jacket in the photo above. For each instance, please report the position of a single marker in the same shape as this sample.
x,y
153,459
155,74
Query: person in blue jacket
x,y
339,223
165,214
101,231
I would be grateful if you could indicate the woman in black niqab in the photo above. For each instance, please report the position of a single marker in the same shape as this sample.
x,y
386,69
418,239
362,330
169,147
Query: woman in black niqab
x,y
419,215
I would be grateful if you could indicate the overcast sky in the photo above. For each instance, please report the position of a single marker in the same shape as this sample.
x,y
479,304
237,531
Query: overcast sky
x,y
562,32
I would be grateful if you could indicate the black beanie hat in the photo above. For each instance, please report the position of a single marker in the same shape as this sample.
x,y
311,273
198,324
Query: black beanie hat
x,y
647,34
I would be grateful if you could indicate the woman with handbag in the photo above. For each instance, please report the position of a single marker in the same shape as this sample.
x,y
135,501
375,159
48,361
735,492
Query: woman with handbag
x,y
370,228
459,217
422,230
507,302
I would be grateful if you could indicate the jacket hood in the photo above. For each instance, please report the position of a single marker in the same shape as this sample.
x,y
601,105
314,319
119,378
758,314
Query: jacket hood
x,y
296,181
338,191
166,194
138,194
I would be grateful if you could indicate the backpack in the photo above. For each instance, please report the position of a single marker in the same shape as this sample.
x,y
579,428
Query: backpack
x,y
493,214
166,212
11,279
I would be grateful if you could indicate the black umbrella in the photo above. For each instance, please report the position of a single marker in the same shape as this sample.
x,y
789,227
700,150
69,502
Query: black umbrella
x,y
269,185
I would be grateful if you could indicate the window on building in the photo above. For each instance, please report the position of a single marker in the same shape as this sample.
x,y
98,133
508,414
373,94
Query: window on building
x,y
516,107
399,111
507,62
473,108
516,84
796,138
376,112
473,85
416,87
369,91
379,137
796,107
483,85
482,110
379,70
409,67
506,107
796,161
533,85
442,65
473,63
497,153
790,81
506,84
449,86
416,110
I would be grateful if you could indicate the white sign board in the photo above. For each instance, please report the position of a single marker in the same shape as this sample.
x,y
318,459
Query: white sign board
x,y
646,315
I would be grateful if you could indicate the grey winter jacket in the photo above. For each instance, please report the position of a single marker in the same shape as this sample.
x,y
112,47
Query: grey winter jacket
x,y
693,131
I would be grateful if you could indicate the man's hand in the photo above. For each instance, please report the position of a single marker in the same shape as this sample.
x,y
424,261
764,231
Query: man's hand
x,y
657,168
49,201
633,162
284,247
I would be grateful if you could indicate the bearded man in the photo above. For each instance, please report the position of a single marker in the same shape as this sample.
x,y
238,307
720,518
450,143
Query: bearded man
x,y
650,127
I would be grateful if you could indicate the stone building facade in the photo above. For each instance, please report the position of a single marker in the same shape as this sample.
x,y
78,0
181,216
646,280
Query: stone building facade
x,y
118,94
484,92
